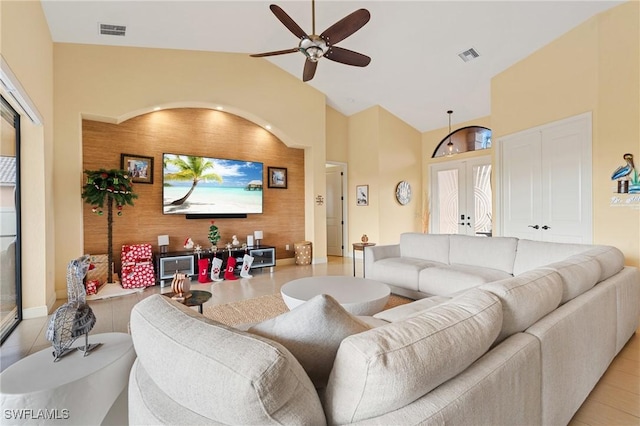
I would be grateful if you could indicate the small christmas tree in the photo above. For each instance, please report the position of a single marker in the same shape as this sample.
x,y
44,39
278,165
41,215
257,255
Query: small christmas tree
x,y
214,234
113,186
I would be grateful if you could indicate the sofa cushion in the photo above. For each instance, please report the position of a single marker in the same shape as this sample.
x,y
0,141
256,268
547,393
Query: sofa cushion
x,y
447,280
388,367
312,332
218,372
432,247
412,309
610,258
526,298
533,254
495,253
400,271
579,273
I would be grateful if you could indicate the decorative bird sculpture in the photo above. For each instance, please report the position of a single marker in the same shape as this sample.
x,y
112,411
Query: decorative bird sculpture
x,y
75,317
626,170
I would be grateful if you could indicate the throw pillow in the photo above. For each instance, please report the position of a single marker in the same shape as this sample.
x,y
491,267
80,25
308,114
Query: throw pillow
x,y
312,332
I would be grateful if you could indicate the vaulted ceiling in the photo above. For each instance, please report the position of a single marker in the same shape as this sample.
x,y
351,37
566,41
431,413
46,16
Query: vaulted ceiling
x,y
415,72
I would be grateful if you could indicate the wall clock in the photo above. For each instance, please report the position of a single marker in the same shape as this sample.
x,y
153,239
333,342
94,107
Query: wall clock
x,y
403,192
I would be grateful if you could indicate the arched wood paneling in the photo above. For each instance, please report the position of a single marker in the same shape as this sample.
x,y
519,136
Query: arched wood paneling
x,y
191,131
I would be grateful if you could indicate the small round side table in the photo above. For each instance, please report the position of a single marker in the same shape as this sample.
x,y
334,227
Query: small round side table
x,y
360,247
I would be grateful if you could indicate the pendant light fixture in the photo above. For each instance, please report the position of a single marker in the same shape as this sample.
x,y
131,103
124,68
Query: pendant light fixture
x,y
450,143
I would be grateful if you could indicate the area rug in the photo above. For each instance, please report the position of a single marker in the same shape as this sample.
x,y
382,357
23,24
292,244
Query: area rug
x,y
113,290
264,307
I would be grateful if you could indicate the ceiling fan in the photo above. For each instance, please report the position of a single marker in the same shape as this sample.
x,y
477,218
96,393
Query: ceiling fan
x,y
315,46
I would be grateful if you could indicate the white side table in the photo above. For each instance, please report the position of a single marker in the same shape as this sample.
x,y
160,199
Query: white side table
x,y
358,296
75,390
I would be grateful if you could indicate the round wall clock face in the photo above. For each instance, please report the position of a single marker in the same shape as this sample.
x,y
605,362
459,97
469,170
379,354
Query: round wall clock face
x,y
403,192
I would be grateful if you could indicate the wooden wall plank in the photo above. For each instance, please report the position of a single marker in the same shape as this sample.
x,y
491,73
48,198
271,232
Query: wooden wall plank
x,y
192,131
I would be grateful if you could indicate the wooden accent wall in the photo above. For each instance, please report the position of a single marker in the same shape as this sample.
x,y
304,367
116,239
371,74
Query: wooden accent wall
x,y
191,131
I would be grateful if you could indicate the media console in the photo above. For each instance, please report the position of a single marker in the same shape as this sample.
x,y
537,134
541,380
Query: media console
x,y
186,262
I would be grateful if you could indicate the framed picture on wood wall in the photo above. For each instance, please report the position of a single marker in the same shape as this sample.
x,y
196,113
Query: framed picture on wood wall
x,y
140,168
277,177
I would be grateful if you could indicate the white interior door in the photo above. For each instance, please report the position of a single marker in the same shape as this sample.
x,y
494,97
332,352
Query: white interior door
x,y
334,203
546,182
461,197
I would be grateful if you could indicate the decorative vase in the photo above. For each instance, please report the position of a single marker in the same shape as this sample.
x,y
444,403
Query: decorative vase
x,y
180,286
364,238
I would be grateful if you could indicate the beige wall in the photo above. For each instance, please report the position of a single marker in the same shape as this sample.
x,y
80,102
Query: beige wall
x,y
114,83
595,67
383,150
337,136
26,47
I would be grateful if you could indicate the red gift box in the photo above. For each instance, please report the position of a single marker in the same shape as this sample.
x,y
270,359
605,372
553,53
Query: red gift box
x,y
92,287
137,267
136,253
138,275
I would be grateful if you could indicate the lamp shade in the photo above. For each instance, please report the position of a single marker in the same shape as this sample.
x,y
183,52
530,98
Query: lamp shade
x,y
163,240
258,235
250,240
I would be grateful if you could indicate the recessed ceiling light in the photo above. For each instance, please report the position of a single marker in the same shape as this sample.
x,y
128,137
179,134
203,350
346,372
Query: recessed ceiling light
x,y
268,127
219,108
468,55
157,109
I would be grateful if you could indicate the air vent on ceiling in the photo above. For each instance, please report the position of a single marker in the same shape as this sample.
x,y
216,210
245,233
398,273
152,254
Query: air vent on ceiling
x,y
468,55
114,30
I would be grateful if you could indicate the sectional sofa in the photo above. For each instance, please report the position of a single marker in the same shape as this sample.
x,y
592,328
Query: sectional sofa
x,y
522,344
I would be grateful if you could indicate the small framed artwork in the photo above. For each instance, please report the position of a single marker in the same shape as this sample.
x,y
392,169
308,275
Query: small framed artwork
x,y
277,177
140,168
362,195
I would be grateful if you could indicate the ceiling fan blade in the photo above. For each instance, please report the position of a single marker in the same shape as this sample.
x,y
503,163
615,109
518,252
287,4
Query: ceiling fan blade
x,y
309,70
346,26
346,56
276,52
287,21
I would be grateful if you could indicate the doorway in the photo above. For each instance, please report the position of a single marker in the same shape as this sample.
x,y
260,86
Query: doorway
x,y
336,175
461,197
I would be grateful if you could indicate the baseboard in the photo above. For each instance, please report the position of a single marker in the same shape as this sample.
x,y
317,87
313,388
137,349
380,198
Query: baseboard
x,y
37,312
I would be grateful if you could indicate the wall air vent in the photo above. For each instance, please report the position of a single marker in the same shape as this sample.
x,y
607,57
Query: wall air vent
x,y
468,55
113,30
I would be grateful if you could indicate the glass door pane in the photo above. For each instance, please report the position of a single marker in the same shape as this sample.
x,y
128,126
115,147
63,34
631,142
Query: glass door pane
x,y
10,305
482,199
447,201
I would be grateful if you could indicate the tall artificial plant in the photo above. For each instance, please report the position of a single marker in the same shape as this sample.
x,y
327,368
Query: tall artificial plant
x,y
108,187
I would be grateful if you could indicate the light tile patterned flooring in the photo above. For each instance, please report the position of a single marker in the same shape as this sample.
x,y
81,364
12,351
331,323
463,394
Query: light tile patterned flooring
x,y
614,401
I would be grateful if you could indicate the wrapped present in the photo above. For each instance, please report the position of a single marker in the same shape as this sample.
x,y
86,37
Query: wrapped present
x,y
92,287
136,253
137,266
138,275
99,271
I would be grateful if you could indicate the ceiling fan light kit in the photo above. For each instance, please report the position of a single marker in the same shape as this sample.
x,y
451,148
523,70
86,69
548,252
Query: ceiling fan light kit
x,y
314,46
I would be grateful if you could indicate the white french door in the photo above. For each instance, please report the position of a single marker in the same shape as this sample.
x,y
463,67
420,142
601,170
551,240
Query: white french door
x,y
461,197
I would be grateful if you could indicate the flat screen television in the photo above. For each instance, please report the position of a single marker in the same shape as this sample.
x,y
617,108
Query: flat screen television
x,y
211,187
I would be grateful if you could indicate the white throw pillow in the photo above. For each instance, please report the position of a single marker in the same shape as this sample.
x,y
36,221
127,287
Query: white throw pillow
x,y
312,332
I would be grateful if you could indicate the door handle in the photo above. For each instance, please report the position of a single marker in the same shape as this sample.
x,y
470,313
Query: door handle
x,y
534,226
545,227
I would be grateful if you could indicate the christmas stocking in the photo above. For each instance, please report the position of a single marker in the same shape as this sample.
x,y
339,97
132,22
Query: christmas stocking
x,y
231,265
216,267
203,269
246,265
